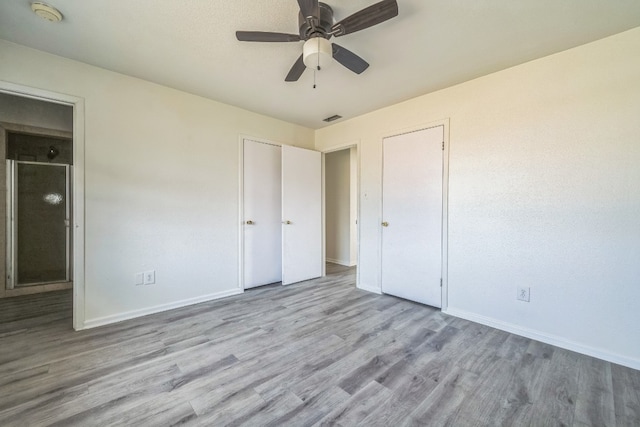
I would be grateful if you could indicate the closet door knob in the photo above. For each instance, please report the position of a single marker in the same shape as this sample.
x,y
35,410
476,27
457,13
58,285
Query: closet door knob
x,y
287,222
385,224
249,222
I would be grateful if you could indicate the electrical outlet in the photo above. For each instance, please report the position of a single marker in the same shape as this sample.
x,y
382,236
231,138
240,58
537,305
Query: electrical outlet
x,y
523,293
149,277
139,280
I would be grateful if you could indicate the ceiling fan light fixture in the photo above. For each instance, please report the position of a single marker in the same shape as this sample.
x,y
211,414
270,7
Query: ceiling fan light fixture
x,y
317,52
47,12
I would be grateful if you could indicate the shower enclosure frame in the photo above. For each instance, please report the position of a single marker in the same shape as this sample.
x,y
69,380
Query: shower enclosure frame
x,y
77,187
12,224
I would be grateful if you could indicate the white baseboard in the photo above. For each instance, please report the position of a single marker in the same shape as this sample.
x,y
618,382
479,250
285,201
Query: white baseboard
x,y
370,289
339,262
546,338
114,318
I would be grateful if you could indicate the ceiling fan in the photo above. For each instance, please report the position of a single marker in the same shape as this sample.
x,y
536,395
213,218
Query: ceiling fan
x,y
317,27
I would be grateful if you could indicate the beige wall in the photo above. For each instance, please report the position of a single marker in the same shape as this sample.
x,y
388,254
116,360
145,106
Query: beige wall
x,y
543,192
161,183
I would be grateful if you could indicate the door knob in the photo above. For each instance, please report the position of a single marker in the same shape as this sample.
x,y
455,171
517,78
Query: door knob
x,y
249,222
287,222
385,224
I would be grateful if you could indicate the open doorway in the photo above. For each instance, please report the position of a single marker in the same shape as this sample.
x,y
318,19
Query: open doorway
x,y
341,210
36,142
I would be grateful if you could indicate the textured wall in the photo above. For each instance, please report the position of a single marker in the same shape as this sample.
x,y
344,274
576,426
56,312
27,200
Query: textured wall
x,y
161,183
543,193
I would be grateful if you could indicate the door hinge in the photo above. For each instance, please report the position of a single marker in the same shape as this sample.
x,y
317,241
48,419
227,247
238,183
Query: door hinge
x,y
442,145
440,282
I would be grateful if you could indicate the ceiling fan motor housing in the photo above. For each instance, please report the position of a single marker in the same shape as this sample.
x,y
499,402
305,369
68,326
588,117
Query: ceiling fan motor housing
x,y
317,26
322,27
317,53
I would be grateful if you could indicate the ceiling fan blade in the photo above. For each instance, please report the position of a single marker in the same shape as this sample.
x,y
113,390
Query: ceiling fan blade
x,y
309,8
296,71
367,17
261,36
349,59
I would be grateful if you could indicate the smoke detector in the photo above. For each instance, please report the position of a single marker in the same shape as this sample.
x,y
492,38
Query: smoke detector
x,y
47,12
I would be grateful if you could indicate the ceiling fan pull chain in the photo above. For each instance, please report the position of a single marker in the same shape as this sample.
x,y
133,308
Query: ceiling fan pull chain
x,y
318,67
318,51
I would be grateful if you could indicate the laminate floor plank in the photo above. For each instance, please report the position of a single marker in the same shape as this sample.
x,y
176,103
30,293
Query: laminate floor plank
x,y
559,390
594,400
275,407
626,395
352,359
162,411
315,407
298,370
118,395
57,303
358,406
320,352
500,379
440,407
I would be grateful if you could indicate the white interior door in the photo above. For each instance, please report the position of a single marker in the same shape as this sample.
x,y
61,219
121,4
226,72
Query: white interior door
x,y
412,216
262,206
301,214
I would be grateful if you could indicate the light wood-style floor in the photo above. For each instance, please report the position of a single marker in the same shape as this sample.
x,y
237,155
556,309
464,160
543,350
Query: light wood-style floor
x,y
317,353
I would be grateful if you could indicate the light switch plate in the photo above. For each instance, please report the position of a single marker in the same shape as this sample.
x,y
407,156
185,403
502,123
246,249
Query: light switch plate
x,y
139,280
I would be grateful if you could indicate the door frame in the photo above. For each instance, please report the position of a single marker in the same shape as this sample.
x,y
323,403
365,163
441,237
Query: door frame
x,y
241,139
344,146
445,201
78,175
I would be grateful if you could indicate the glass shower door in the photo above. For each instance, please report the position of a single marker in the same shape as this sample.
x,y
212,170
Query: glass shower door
x,y
39,223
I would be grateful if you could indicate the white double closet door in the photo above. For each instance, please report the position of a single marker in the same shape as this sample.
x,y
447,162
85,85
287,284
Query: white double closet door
x,y
282,212
412,205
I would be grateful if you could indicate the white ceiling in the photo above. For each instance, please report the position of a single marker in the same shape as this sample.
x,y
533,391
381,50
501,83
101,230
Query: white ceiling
x,y
432,44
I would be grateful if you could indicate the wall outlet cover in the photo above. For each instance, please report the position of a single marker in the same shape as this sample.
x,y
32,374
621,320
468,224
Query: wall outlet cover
x,y
523,293
149,277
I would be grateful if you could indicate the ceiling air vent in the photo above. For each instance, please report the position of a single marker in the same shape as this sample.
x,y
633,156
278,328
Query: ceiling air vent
x,y
332,118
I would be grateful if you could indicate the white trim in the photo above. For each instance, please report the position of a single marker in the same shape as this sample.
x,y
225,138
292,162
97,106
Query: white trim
x,y
445,202
445,217
340,262
370,289
546,338
323,209
79,305
344,146
78,186
241,212
107,320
